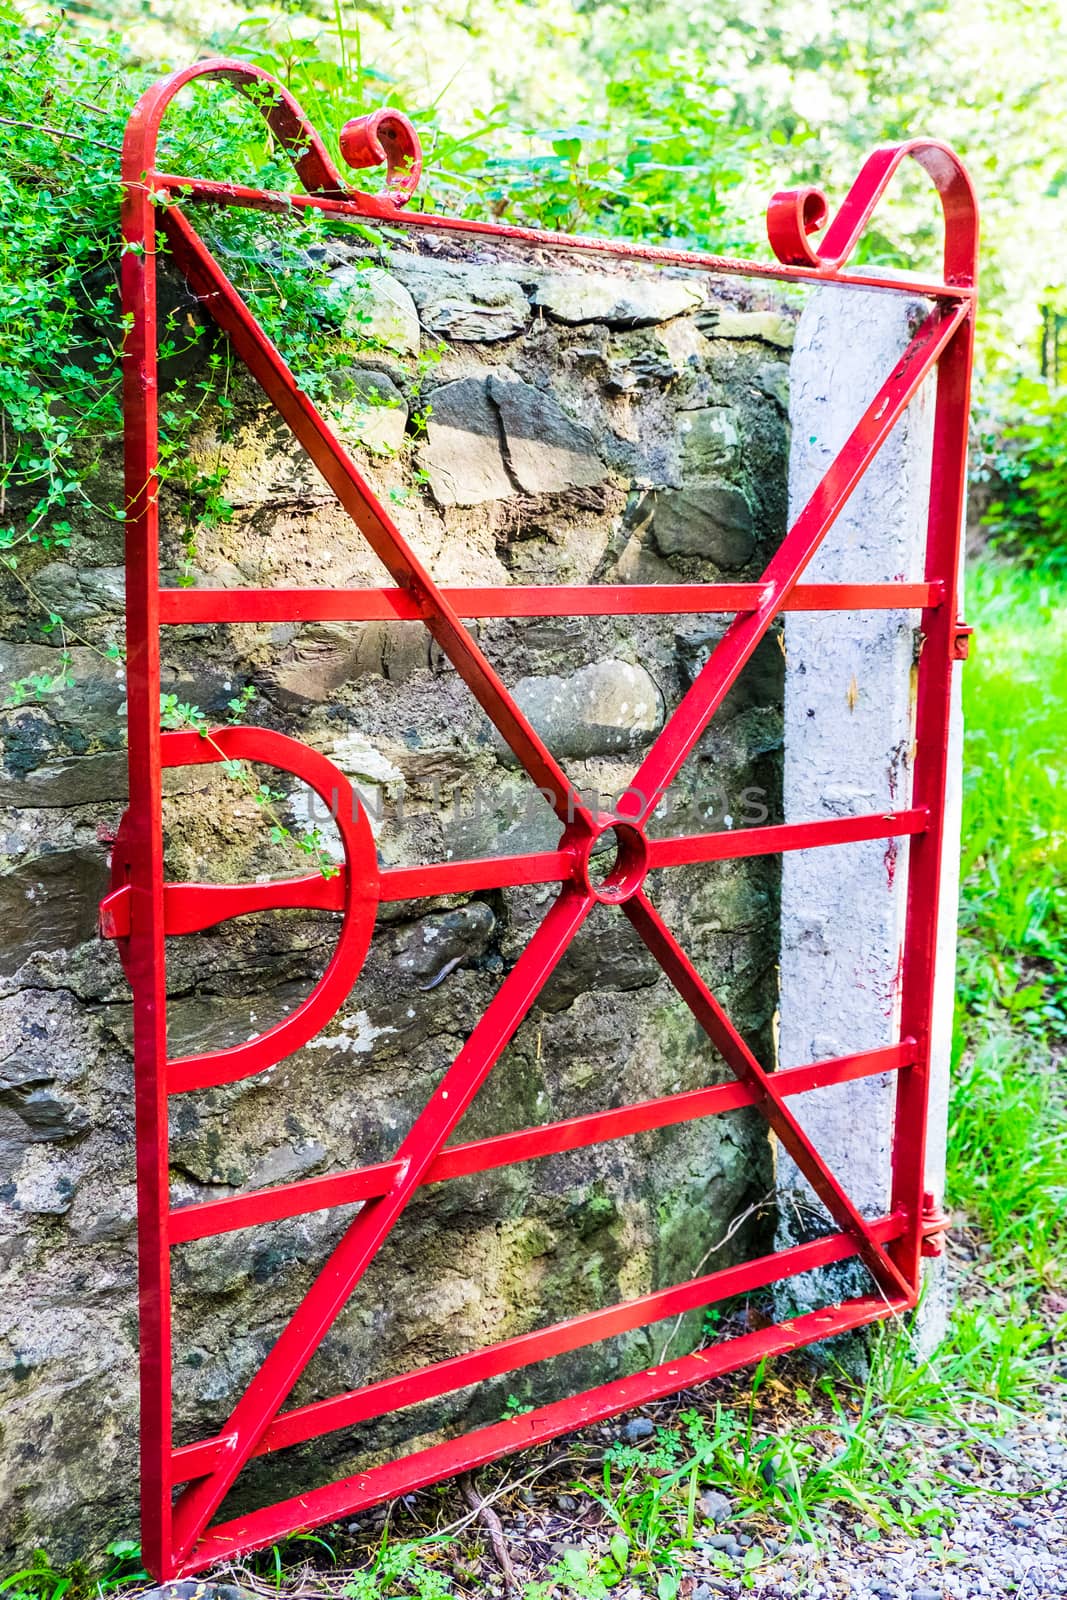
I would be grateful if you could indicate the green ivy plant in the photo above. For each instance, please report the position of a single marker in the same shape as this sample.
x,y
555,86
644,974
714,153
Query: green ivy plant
x,y
61,330
69,94
61,325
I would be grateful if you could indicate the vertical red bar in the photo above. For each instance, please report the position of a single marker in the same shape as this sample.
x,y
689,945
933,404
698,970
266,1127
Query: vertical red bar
x,y
933,709
146,962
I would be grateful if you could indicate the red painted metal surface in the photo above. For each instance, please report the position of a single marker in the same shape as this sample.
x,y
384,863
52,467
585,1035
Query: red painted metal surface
x,y
142,911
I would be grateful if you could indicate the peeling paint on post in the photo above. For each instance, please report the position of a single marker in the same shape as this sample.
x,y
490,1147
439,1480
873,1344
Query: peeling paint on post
x,y
849,719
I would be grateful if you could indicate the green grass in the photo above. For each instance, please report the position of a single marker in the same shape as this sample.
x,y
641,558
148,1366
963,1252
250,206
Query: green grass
x,y
1007,1167
42,1580
1013,966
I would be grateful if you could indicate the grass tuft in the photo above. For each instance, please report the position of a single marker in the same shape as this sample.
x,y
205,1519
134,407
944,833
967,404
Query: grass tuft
x,y
1007,1156
1013,966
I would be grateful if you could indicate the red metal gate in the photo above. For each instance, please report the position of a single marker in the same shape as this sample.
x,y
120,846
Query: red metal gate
x,y
142,910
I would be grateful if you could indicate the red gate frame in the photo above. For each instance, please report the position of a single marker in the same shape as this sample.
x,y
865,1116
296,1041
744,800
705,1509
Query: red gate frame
x,y
142,910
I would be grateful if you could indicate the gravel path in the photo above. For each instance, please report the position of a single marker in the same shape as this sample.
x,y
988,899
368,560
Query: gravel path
x,y
1005,1532
1008,1534
998,1506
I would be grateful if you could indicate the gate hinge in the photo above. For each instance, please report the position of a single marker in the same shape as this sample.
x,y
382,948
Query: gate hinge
x,y
935,1224
961,641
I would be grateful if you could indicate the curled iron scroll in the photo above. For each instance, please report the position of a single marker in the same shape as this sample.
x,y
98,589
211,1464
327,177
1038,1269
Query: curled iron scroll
x,y
381,138
794,215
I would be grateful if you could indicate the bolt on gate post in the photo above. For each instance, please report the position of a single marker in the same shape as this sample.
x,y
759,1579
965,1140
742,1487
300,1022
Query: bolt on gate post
x,y
184,1488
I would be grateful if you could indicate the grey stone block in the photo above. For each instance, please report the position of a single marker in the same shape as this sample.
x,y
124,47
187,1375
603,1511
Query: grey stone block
x,y
373,308
726,322
620,302
707,518
464,454
465,303
547,451
600,709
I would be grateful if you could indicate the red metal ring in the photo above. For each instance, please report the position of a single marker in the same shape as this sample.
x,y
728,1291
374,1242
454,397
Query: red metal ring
x,y
628,872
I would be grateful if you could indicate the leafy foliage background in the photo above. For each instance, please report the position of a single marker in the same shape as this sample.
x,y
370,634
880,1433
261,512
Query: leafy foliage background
x,y
669,121
677,117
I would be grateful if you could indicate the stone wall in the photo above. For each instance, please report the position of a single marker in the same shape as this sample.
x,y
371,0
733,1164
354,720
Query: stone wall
x,y
584,426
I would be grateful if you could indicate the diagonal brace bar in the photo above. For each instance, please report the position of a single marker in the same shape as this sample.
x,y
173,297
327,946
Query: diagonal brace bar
x,y
674,743
726,1039
371,1227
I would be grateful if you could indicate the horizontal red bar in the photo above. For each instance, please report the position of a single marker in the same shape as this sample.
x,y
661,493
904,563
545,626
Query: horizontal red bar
x,y
192,907
381,209
510,1355
211,1217
465,877
472,1450
518,600
727,845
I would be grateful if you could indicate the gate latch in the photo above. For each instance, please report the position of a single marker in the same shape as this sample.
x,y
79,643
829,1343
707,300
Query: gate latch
x,y
961,641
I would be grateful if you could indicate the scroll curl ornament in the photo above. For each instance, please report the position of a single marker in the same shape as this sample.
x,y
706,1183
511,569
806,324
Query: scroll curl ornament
x,y
385,138
381,138
795,215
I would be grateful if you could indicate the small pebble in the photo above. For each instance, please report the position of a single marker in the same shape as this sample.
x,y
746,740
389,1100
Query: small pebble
x,y
638,1428
714,1507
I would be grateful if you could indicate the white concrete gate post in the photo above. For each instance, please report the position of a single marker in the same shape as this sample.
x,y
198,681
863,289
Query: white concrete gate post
x,y
849,721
